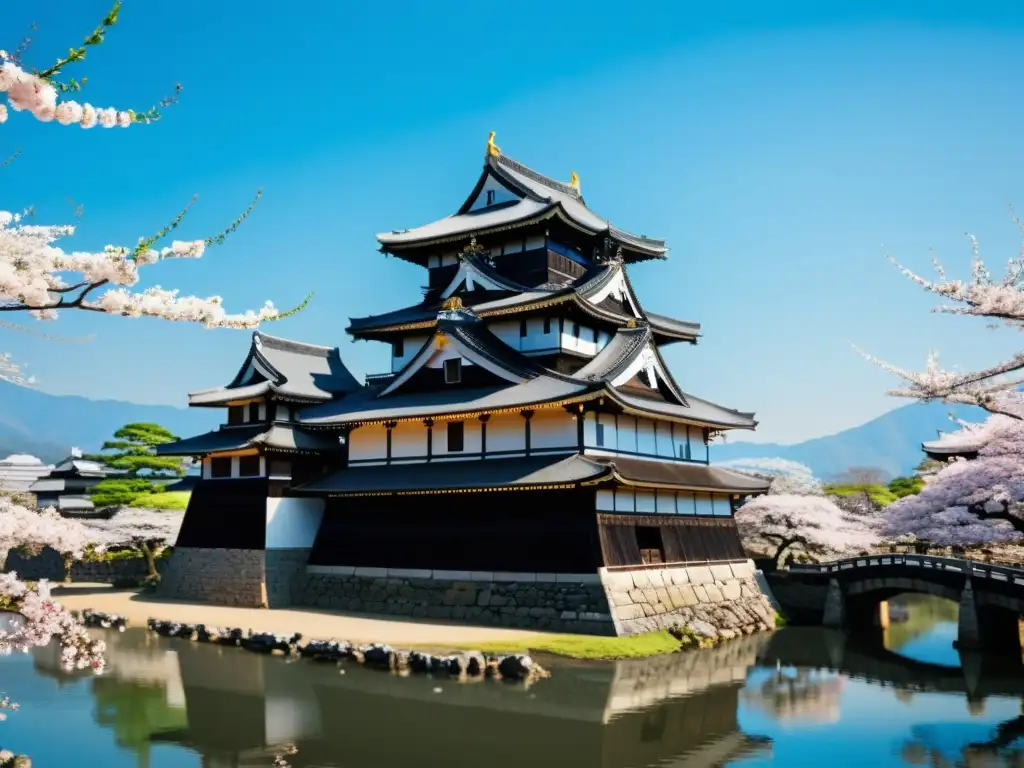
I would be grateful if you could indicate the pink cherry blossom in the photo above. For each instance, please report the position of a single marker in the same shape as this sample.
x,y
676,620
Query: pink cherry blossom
x,y
796,511
27,92
970,502
45,618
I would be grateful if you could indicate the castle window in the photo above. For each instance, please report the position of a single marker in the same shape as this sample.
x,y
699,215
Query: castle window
x,y
547,325
236,414
254,411
398,348
648,538
248,466
456,436
600,435
220,467
595,335
522,329
576,331
453,371
490,197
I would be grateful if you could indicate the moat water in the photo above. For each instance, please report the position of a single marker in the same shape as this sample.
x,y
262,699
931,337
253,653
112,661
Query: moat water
x,y
802,697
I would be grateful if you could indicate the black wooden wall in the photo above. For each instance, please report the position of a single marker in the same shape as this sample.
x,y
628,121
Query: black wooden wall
x,y
551,531
683,540
226,513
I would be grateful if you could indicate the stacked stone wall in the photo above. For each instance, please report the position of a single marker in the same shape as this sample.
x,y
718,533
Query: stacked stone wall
x,y
716,601
48,564
234,577
285,576
552,602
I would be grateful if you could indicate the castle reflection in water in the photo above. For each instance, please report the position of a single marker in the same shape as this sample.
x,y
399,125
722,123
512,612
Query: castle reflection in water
x,y
238,709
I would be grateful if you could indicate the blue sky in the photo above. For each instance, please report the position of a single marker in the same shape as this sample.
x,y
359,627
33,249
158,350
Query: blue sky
x,y
781,154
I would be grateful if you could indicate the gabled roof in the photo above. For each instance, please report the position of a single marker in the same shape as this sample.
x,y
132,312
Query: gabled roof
x,y
529,384
535,197
286,369
586,293
475,272
280,437
76,465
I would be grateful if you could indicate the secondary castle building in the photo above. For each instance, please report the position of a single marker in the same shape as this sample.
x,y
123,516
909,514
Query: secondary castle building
x,y
528,432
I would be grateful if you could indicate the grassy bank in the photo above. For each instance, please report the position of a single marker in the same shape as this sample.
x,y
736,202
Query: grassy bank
x,y
163,500
585,646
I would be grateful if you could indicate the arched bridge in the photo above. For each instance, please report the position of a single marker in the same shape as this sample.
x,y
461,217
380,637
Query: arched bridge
x,y
991,597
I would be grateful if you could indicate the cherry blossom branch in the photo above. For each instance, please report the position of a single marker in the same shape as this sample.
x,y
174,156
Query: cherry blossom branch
x,y
36,92
994,388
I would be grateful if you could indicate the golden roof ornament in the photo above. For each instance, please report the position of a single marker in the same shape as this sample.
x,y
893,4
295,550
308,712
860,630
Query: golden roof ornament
x,y
631,323
473,248
452,303
574,181
492,149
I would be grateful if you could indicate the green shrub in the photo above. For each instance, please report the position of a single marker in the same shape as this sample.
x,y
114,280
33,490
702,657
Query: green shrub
x,y
906,486
877,494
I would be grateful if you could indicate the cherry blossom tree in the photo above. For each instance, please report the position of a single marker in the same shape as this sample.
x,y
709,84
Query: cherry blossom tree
x,y
22,528
796,512
144,530
969,502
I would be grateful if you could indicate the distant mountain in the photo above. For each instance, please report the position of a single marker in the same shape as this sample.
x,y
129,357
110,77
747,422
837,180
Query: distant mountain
x,y
48,426
892,442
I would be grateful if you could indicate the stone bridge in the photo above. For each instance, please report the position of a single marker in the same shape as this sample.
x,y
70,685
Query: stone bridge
x,y
847,594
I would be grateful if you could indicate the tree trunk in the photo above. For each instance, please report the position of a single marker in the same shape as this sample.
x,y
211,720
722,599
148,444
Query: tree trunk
x,y
154,574
69,560
786,544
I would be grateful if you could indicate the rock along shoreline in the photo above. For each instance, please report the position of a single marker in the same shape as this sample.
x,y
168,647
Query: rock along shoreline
x,y
469,665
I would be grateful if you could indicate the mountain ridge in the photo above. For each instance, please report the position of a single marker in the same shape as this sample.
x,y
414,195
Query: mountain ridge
x,y
890,442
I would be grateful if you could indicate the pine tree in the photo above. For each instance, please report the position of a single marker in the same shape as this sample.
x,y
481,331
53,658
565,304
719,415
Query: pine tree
x,y
133,450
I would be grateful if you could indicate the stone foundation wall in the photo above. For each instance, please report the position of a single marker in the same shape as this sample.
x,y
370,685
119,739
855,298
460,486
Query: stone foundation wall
x,y
234,577
716,601
286,576
48,564
553,602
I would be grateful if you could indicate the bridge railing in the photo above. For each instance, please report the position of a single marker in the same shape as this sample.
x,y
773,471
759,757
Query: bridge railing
x,y
971,568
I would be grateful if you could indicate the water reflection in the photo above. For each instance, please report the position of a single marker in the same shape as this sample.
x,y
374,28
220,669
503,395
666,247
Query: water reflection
x,y
800,697
235,708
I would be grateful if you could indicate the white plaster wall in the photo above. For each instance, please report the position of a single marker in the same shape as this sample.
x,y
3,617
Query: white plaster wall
x,y
664,445
471,439
698,448
662,502
627,433
408,438
509,333
535,242
447,352
645,437
292,523
551,429
501,194
585,344
410,346
368,442
506,432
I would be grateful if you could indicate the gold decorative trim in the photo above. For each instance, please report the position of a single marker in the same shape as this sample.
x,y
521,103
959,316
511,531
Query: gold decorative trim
x,y
455,302
493,149
437,492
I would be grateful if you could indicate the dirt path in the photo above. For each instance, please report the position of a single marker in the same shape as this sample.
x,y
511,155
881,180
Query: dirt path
x,y
322,625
